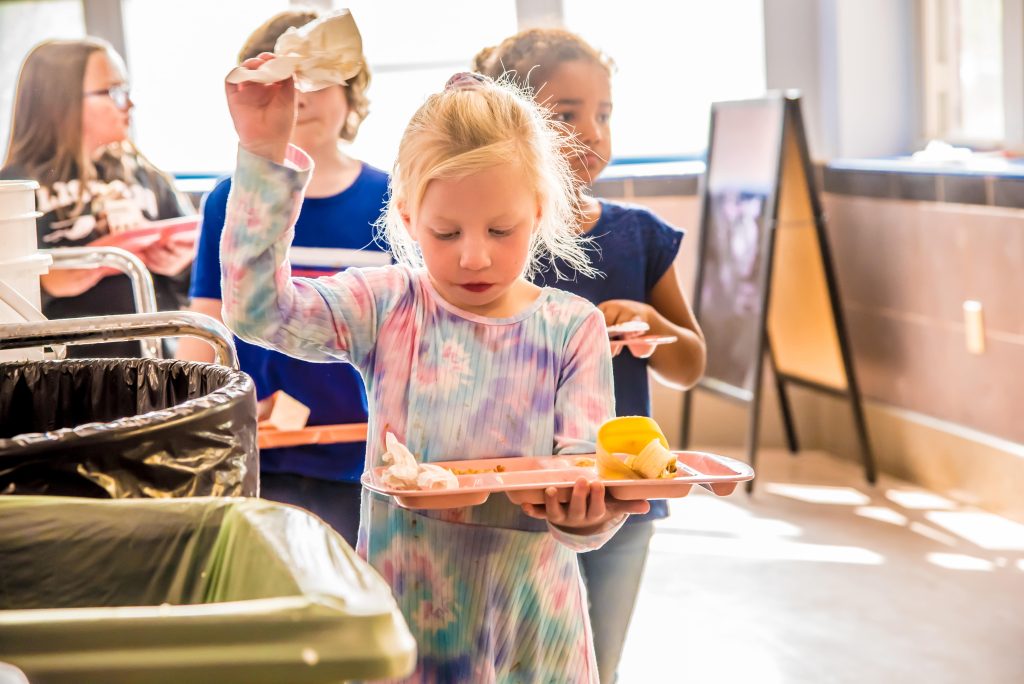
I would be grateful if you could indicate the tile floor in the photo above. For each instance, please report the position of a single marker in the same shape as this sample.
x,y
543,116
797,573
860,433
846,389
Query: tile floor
x,y
820,578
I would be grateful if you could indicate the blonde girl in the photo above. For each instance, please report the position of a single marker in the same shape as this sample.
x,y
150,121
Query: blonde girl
x,y
462,357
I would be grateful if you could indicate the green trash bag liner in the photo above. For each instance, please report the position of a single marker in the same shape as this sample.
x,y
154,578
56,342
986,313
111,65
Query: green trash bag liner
x,y
189,590
115,428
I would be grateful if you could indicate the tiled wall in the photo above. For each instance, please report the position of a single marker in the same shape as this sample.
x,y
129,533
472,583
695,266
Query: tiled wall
x,y
905,268
1002,190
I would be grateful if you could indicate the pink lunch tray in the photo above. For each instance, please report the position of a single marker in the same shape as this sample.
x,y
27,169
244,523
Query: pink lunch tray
x,y
524,479
643,343
184,229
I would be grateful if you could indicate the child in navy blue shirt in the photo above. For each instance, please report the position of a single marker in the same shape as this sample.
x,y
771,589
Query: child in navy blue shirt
x,y
636,253
343,202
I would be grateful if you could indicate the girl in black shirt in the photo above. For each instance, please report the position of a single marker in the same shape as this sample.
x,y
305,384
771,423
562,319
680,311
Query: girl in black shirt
x,y
69,132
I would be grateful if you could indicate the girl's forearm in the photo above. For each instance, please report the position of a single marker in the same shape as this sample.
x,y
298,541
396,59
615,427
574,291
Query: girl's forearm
x,y
262,303
680,364
72,282
254,270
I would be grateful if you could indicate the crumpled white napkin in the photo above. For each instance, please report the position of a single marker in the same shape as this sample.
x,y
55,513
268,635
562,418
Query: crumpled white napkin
x,y
325,52
406,473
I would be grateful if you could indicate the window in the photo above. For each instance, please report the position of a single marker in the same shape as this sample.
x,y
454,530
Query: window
x,y
181,118
178,55
25,24
663,87
674,59
964,63
413,47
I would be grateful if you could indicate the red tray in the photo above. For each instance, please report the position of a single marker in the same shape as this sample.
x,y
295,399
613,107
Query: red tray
x,y
524,479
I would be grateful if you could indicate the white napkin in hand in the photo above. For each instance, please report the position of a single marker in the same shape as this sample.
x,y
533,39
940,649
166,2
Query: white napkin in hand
x,y
325,52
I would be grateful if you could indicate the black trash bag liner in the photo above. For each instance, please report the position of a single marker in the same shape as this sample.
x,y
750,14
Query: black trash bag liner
x,y
121,428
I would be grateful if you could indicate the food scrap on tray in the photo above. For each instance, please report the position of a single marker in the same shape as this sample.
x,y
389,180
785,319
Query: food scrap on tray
x,y
478,471
405,472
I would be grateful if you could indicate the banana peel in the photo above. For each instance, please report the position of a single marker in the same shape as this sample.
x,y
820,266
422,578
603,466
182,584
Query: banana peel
x,y
612,467
633,448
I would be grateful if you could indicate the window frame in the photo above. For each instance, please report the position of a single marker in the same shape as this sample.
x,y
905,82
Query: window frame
x,y
940,82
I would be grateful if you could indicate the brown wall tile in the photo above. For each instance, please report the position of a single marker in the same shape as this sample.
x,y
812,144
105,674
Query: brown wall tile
x,y
1008,192
964,189
923,366
917,186
861,183
611,189
668,186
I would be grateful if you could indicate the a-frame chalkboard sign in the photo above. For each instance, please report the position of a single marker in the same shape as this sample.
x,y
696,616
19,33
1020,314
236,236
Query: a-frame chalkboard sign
x,y
766,286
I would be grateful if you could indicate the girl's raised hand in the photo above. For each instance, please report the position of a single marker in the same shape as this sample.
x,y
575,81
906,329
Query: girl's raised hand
x,y
264,115
588,511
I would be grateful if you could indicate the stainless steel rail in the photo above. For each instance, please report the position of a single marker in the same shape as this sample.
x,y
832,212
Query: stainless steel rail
x,y
122,327
124,261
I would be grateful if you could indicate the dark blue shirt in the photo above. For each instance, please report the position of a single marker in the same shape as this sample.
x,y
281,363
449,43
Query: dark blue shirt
x,y
632,248
334,392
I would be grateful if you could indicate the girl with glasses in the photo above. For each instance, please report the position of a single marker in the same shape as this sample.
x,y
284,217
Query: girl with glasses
x,y
70,133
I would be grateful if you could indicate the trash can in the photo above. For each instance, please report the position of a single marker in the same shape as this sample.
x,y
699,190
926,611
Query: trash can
x,y
189,590
117,428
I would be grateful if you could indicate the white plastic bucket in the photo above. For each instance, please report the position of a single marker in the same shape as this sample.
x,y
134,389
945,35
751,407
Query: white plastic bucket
x,y
20,296
18,219
18,236
17,197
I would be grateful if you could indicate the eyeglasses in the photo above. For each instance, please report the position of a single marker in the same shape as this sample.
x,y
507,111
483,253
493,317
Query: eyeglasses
x,y
118,94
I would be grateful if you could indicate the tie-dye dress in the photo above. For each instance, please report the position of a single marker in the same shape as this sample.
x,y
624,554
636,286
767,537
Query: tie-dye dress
x,y
490,594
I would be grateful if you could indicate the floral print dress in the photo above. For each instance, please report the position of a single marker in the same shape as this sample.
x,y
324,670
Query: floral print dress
x,y
490,594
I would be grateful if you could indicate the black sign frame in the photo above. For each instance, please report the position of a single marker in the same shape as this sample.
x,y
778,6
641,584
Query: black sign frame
x,y
791,139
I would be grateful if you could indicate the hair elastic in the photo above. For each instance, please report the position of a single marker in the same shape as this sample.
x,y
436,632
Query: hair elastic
x,y
465,80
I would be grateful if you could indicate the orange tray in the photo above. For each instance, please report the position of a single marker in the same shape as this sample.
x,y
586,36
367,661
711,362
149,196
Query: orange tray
x,y
524,479
268,437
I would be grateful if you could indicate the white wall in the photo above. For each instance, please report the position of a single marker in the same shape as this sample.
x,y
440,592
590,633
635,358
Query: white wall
x,y
855,62
793,60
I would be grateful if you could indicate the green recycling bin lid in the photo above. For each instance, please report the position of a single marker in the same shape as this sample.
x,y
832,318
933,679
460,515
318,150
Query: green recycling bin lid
x,y
194,589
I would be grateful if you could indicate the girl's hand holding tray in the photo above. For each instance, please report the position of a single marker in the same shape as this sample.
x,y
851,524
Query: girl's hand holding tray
x,y
631,334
